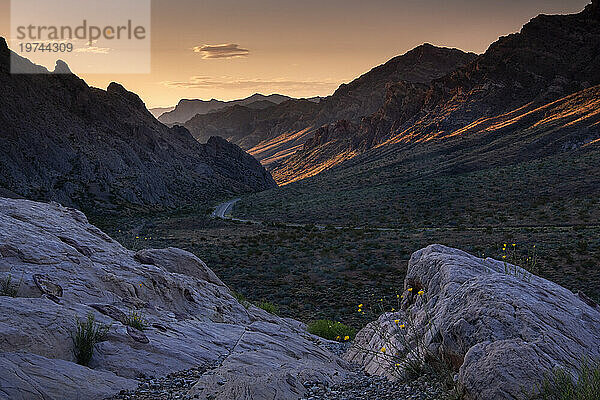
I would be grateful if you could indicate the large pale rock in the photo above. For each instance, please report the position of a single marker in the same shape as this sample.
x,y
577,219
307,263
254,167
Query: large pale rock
x,y
501,332
28,376
192,317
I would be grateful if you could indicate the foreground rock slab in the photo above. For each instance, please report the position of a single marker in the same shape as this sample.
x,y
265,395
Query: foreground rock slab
x,y
500,331
192,318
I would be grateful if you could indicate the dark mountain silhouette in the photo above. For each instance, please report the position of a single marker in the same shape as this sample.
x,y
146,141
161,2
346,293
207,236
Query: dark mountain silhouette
x,y
65,141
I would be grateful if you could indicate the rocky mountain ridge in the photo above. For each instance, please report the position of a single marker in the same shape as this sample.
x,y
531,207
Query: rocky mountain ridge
x,y
63,140
550,58
271,133
188,108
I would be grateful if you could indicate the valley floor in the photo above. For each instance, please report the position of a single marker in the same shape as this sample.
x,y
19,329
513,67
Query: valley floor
x,y
313,273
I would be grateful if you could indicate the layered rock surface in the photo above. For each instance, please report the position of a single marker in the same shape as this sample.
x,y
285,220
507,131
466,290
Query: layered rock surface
x,y
64,268
501,332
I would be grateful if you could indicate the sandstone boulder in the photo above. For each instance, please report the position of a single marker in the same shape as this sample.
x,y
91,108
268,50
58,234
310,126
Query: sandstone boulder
x,y
500,331
192,317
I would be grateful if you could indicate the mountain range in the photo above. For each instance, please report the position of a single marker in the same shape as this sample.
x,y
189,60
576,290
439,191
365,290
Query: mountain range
x,y
186,108
158,111
63,140
428,93
275,133
513,133
551,58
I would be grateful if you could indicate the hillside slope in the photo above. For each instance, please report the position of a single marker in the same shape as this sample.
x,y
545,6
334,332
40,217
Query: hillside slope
x,y
273,133
552,57
65,141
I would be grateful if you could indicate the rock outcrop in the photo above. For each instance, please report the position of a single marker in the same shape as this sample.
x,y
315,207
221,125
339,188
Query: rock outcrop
x,y
65,141
64,268
501,332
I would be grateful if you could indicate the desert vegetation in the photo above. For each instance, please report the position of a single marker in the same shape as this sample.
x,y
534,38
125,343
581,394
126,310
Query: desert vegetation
x,y
332,330
560,384
87,334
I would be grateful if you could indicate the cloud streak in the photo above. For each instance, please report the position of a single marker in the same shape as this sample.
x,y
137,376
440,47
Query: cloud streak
x,y
221,51
205,82
93,50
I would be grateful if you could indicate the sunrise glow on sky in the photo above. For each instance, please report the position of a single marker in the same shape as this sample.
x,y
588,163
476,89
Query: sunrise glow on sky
x,y
229,49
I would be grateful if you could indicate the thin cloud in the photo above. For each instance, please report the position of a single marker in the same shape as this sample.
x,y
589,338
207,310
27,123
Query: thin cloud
x,y
93,50
221,51
205,82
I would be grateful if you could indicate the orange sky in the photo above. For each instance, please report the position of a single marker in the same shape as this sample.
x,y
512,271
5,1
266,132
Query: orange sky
x,y
301,48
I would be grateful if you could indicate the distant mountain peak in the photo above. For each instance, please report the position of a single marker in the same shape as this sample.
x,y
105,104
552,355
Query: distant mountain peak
x,y
186,109
62,68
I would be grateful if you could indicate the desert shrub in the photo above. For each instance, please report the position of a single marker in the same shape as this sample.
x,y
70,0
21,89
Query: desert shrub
x,y
561,385
528,263
7,288
136,320
268,307
88,332
406,353
331,330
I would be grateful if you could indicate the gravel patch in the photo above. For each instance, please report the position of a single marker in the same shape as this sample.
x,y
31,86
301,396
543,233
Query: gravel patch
x,y
358,385
171,387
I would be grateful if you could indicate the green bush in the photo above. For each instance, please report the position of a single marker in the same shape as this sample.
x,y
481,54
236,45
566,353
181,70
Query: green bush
x,y
136,320
560,385
87,334
7,288
331,330
268,307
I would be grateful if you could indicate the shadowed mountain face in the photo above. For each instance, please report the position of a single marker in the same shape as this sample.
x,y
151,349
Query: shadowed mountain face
x,y
552,57
273,133
187,109
65,141
157,112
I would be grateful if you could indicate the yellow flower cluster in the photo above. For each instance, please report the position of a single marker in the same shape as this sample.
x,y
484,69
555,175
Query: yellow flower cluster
x,y
346,338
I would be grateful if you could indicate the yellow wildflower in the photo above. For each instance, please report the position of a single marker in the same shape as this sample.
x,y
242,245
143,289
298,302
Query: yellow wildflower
x,y
360,306
346,337
337,338
397,321
383,349
402,326
410,289
421,293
